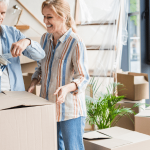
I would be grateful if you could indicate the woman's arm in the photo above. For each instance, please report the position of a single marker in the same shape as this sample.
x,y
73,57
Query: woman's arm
x,y
63,91
81,76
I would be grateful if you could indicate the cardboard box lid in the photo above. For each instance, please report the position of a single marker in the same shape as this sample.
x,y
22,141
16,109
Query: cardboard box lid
x,y
110,143
139,74
130,101
10,99
135,74
120,136
145,113
95,135
114,131
113,142
134,137
140,80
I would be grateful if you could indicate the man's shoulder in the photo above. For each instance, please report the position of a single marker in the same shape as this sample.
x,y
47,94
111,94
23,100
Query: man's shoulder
x,y
8,28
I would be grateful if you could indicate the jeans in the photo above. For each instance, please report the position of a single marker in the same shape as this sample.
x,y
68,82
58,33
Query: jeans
x,y
70,134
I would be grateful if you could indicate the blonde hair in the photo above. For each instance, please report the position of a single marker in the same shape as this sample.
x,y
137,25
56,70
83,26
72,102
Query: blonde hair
x,y
61,7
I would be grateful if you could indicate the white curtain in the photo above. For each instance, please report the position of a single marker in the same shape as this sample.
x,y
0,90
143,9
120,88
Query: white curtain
x,y
105,38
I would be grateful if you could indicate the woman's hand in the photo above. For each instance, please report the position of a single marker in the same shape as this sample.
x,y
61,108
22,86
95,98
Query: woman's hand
x,y
33,85
18,47
61,92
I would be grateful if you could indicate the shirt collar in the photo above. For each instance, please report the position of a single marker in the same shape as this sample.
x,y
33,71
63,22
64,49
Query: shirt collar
x,y
63,38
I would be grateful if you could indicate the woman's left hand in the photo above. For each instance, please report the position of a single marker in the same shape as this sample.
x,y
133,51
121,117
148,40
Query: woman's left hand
x,y
61,92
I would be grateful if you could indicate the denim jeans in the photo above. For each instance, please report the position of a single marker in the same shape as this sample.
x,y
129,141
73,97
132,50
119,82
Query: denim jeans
x,y
70,134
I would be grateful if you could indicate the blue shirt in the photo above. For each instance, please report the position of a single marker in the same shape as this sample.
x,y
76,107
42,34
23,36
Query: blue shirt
x,y
10,35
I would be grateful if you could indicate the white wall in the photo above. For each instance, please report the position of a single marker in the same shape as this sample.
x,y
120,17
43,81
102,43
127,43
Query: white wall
x,y
91,35
36,29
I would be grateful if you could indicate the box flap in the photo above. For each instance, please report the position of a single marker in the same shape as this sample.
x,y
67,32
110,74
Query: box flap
x,y
145,113
95,135
139,74
114,131
134,137
16,98
130,101
140,80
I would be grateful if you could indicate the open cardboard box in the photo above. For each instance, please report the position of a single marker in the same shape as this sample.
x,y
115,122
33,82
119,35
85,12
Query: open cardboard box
x,y
142,121
126,122
136,85
116,138
27,122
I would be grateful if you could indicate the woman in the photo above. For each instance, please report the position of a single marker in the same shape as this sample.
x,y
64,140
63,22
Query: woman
x,y
63,73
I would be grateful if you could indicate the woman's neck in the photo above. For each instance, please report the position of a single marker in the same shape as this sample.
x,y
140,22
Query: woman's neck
x,y
57,36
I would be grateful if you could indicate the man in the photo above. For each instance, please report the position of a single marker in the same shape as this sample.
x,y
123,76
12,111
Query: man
x,y
14,42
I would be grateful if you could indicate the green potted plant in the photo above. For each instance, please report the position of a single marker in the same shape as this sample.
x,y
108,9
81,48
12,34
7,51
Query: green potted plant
x,y
101,107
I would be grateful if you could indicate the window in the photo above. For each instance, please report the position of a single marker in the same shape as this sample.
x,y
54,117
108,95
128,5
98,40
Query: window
x,y
134,50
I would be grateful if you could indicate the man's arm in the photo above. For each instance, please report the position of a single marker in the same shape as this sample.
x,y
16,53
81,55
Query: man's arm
x,y
27,47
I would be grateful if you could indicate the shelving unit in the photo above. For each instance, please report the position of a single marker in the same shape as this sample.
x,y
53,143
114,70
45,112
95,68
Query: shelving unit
x,y
22,27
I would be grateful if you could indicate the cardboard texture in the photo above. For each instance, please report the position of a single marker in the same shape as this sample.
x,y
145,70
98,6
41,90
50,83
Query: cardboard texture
x,y
136,85
27,82
142,121
27,122
29,67
88,92
121,139
126,122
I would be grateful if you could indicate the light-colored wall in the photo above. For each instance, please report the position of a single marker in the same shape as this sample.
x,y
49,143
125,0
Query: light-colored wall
x,y
91,35
36,29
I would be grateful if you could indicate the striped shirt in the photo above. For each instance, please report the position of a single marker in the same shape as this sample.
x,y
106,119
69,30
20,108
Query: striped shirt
x,y
65,63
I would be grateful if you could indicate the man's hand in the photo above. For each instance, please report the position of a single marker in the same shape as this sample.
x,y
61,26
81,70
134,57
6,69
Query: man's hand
x,y
18,47
32,85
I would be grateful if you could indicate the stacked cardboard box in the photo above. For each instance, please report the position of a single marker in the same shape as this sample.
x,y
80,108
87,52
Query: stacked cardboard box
x,y
142,121
136,85
125,121
116,138
27,122
135,90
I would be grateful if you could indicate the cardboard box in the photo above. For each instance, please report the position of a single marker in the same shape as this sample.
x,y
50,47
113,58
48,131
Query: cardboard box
x,y
142,121
88,92
136,85
126,122
27,122
27,82
116,138
29,67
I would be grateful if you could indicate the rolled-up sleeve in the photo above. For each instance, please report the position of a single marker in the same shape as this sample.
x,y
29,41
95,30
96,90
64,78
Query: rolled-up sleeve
x,y
80,63
34,50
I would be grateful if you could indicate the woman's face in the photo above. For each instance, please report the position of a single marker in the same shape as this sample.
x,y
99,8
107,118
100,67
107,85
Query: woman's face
x,y
54,23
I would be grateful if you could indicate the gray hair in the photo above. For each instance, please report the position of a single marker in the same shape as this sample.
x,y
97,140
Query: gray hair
x,y
6,1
